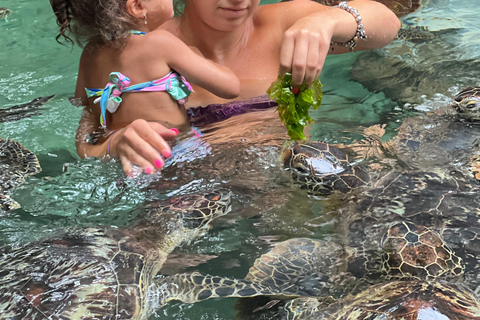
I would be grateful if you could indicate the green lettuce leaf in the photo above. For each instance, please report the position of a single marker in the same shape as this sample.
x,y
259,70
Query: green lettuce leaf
x,y
293,108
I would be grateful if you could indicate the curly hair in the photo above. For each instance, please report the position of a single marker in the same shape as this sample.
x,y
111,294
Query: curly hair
x,y
96,21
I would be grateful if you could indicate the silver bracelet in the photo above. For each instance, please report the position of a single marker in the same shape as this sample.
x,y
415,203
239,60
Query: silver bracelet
x,y
359,34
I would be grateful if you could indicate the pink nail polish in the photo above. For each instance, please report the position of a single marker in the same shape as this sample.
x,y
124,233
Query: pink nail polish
x,y
148,169
295,90
166,153
175,130
158,164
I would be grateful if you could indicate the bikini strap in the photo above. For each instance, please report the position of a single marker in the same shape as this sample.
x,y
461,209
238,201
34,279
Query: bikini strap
x,y
109,97
136,32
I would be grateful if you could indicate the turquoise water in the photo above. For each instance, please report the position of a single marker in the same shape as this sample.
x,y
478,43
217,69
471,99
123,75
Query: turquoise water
x,y
71,191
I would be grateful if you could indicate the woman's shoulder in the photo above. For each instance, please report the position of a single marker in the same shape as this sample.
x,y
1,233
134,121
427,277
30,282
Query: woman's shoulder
x,y
285,13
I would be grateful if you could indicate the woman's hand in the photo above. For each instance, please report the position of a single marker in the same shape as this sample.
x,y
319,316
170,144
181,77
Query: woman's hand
x,y
311,27
304,49
142,143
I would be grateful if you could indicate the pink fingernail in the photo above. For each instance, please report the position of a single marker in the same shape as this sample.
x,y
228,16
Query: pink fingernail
x,y
148,169
158,164
166,153
175,130
295,90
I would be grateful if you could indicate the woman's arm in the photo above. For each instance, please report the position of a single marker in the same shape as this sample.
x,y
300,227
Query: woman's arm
x,y
309,28
211,76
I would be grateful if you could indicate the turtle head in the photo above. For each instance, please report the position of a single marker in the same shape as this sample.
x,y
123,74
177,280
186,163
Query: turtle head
x,y
199,210
4,12
322,168
467,103
416,252
7,204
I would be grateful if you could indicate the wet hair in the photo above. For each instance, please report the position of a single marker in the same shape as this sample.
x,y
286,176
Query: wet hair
x,y
96,21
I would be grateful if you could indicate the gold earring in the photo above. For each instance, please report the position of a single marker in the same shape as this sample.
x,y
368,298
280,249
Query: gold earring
x,y
145,18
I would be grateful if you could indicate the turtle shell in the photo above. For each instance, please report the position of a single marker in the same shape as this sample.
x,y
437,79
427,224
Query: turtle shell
x,y
412,251
16,163
408,300
79,276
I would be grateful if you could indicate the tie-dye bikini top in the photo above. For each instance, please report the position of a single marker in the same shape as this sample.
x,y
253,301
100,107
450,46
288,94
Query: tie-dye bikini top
x,y
109,97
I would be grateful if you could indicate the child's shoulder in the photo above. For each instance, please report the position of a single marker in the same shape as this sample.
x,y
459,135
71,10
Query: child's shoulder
x,y
162,35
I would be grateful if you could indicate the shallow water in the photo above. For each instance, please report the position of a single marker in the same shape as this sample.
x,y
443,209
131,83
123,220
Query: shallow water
x,y
72,192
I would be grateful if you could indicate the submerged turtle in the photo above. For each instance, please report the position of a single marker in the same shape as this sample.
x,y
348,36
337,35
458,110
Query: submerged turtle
x,y
421,280
4,12
102,273
421,284
390,266
16,162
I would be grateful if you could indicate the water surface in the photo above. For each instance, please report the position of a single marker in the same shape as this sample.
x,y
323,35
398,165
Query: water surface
x,y
74,192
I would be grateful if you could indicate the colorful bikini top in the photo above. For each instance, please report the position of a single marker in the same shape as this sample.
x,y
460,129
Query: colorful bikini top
x,y
109,97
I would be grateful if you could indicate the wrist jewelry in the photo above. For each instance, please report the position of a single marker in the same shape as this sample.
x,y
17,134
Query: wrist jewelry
x,y
359,33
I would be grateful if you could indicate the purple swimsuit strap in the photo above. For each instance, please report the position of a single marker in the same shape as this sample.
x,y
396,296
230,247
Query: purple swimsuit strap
x,y
201,116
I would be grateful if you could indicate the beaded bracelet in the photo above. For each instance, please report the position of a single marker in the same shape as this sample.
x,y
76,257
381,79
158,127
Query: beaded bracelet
x,y
359,34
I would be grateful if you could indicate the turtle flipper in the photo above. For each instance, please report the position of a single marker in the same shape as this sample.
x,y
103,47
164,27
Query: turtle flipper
x,y
25,110
292,268
196,286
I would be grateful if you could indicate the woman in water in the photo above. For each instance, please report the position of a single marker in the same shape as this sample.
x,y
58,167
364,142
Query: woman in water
x,y
256,43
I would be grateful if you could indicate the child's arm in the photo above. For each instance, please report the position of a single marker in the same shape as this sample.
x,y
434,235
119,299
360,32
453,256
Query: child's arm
x,y
140,142
211,76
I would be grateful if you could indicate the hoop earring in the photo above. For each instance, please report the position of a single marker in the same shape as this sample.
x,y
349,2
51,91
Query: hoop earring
x,y
145,18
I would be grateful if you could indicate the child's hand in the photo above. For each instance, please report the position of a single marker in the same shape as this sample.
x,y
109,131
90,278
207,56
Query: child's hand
x,y
143,143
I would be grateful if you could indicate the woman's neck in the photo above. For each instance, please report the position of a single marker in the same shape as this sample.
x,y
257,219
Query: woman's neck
x,y
216,45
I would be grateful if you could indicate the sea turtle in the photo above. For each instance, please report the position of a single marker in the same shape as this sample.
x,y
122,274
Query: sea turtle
x,y
422,281
4,12
16,162
111,273
102,272
387,265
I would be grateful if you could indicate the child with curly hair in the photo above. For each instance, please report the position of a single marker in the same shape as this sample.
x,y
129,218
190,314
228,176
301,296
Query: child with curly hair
x,y
134,74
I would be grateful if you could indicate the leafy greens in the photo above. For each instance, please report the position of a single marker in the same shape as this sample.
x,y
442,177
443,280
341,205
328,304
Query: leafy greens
x,y
293,108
